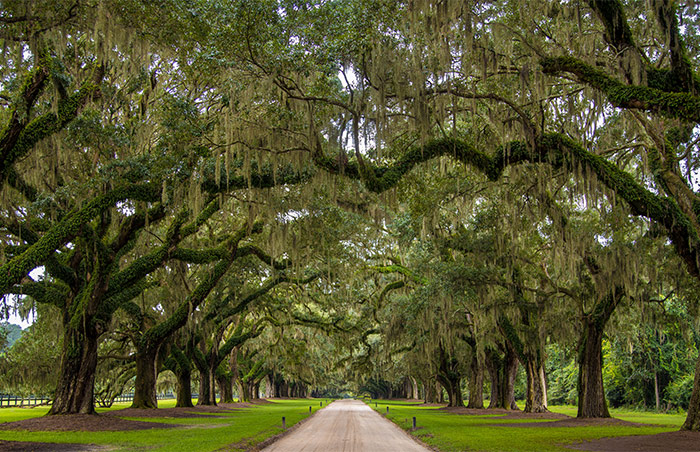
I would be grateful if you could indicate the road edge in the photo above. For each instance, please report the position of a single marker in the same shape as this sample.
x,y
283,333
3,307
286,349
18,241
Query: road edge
x,y
407,433
273,439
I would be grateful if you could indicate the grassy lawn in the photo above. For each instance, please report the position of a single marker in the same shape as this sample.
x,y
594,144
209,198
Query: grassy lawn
x,y
246,426
450,432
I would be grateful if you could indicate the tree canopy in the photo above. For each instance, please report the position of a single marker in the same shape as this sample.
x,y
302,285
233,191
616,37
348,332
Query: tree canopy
x,y
410,196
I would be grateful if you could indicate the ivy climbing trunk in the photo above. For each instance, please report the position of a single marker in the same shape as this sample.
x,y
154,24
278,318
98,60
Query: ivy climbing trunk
x,y
76,382
145,381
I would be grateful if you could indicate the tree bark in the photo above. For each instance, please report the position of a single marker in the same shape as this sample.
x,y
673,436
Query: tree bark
x,y
225,388
591,394
184,388
145,382
510,371
414,388
452,387
207,390
692,420
502,371
243,390
493,366
76,382
536,399
476,384
429,391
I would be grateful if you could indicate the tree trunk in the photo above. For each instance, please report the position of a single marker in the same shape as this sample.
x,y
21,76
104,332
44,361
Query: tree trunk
x,y
656,391
146,375
225,388
452,387
414,388
536,398
493,366
243,390
184,388
207,390
76,383
270,386
476,384
510,371
591,394
429,391
502,371
692,420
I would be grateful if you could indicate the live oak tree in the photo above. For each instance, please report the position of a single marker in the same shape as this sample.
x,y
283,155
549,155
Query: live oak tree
x,y
100,149
535,71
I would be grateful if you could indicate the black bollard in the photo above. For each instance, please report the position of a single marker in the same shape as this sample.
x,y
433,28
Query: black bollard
x,y
284,423
414,422
309,409
387,410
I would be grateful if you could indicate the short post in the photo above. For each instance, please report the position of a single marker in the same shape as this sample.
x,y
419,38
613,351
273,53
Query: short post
x,y
320,403
414,422
387,409
375,404
284,423
309,409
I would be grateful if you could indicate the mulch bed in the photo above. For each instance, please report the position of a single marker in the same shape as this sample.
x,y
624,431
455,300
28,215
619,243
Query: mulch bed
x,y
508,414
17,446
667,442
112,420
197,411
81,423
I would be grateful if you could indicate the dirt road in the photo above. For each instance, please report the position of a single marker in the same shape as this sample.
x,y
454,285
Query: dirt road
x,y
347,426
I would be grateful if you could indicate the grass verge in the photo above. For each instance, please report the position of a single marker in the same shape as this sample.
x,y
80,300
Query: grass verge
x,y
236,431
450,432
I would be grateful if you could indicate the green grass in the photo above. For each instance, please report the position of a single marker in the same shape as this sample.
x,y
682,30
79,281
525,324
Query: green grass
x,y
246,427
451,432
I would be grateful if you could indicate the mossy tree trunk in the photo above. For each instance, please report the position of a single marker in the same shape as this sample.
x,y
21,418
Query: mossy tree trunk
x,y
184,389
476,383
454,392
225,388
503,368
450,377
207,382
509,373
146,375
76,382
429,391
178,362
244,390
